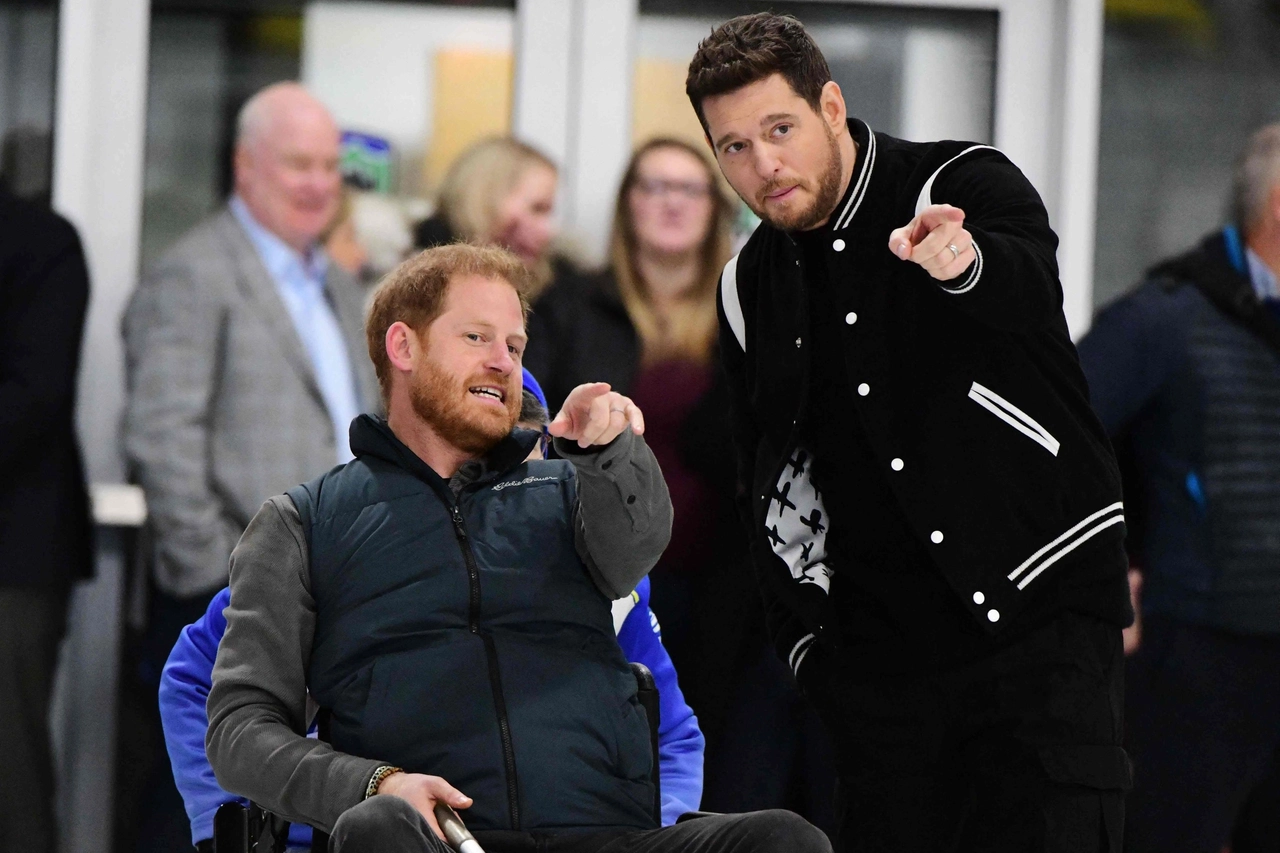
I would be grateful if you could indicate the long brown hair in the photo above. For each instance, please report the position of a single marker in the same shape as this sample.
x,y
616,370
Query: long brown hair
x,y
690,329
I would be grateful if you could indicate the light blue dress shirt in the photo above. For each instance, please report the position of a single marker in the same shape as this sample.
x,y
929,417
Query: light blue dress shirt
x,y
300,282
1264,280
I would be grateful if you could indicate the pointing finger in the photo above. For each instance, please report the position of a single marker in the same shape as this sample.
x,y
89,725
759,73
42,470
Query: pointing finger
x,y
597,420
593,389
937,214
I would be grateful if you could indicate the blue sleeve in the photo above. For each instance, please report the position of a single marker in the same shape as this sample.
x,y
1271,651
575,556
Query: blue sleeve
x,y
1133,347
680,741
184,689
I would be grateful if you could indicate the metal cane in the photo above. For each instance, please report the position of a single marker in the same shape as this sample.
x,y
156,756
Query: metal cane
x,y
455,831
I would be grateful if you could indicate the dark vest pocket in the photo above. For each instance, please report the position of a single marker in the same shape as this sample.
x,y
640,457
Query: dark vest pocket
x,y
431,711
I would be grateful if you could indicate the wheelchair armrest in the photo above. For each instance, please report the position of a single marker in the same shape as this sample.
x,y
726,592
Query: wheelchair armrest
x,y
238,828
647,693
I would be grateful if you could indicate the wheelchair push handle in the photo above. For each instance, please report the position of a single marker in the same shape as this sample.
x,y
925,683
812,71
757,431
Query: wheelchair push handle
x,y
455,831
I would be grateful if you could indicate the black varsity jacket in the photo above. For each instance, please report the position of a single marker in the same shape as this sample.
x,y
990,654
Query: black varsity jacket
x,y
969,391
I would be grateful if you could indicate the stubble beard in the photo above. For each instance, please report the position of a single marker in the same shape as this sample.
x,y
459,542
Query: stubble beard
x,y
825,198
441,401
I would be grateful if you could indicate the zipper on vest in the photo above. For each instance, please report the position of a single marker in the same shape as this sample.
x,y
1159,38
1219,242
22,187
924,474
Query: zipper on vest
x,y
491,655
473,573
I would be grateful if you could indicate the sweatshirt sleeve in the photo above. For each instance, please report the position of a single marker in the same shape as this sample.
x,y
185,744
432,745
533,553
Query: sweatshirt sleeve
x,y
623,514
184,689
1013,282
680,741
258,702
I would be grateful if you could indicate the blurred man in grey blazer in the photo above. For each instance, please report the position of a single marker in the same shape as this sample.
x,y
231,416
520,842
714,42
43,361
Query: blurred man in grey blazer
x,y
245,351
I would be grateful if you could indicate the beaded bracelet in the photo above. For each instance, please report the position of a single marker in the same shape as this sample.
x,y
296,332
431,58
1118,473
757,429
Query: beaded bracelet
x,y
378,776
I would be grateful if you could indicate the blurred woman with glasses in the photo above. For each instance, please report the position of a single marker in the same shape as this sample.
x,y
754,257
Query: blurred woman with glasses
x,y
647,326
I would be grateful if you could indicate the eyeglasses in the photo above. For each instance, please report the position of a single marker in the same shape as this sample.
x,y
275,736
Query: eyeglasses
x,y
691,190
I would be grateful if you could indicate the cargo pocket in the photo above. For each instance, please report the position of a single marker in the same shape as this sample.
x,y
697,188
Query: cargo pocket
x,y
1084,807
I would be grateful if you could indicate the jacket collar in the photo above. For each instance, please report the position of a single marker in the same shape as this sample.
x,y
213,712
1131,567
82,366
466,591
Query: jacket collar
x,y
1212,268
283,262
860,180
255,281
1215,262
372,436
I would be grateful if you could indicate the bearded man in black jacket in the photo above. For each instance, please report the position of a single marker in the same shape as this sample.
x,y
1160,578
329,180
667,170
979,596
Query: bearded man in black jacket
x,y
934,510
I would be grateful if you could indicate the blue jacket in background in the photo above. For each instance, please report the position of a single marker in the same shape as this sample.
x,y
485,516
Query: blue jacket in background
x,y
1184,373
188,674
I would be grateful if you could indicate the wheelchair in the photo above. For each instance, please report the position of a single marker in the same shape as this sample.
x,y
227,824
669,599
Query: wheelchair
x,y
251,829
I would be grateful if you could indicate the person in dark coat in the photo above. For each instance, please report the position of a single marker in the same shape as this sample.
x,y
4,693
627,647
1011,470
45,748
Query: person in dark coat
x,y
646,325
1185,375
933,509
45,528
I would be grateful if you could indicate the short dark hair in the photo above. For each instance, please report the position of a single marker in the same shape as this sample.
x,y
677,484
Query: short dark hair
x,y
750,48
414,293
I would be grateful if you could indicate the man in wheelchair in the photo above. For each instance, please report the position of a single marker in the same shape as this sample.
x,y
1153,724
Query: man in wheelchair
x,y
448,604
188,673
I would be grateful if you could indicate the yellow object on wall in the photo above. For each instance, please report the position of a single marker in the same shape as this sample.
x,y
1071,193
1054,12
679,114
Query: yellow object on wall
x,y
471,100
660,106
1192,17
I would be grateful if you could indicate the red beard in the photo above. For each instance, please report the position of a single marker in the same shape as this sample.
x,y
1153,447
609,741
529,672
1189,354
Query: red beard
x,y
444,402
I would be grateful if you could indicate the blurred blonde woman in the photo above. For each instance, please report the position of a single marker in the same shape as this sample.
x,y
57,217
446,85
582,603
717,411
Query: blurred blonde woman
x,y
501,191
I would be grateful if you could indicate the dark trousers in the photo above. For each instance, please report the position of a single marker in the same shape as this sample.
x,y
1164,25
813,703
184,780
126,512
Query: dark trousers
x,y
32,622
390,825
1204,728
766,748
149,813
772,751
1017,751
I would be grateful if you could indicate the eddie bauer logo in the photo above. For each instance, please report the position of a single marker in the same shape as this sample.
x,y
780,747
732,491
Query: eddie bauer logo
x,y
526,481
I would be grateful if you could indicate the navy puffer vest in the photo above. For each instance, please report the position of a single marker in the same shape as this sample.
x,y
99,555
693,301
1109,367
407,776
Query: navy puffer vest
x,y
463,637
